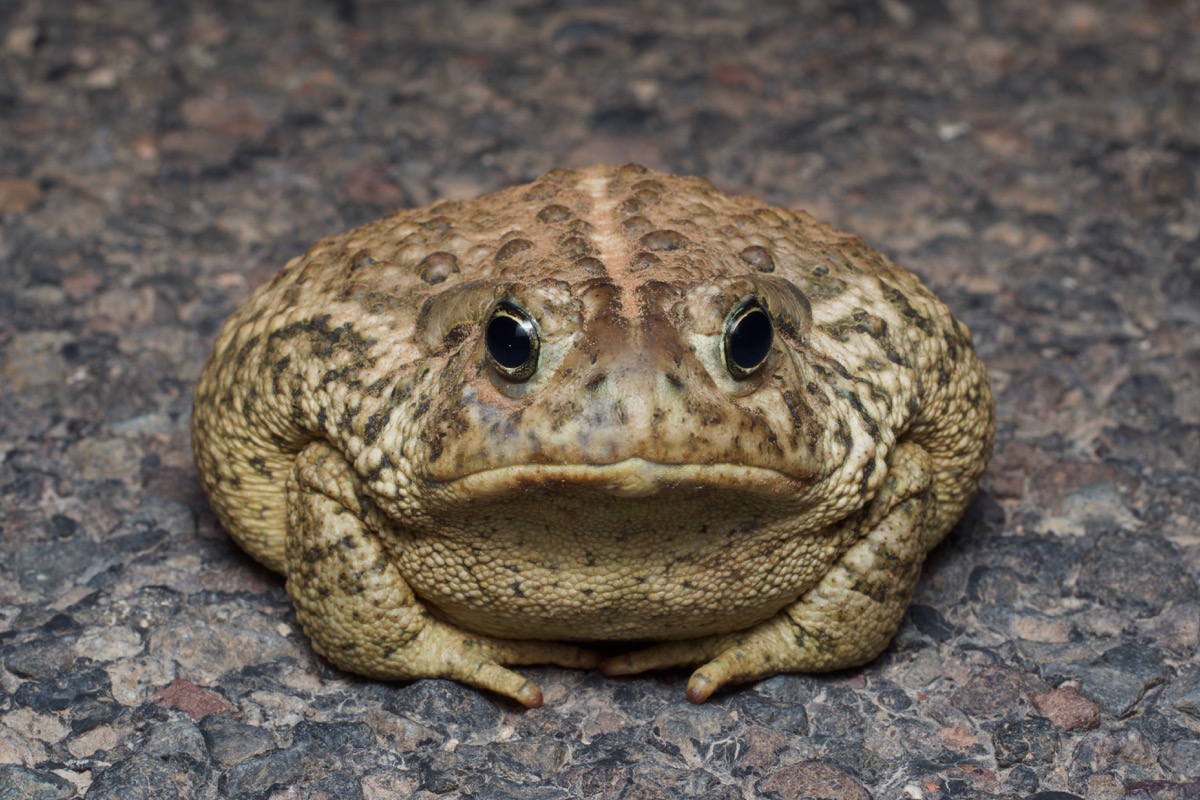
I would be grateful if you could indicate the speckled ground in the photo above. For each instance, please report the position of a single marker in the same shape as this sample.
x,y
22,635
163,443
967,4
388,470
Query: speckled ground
x,y
1035,162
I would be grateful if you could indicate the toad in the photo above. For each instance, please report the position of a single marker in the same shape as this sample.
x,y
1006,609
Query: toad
x,y
612,405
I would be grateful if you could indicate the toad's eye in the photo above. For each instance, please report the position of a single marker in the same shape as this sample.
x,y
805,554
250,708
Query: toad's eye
x,y
748,337
512,342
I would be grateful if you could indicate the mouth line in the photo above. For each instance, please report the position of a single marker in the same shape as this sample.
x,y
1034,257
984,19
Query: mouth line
x,y
630,478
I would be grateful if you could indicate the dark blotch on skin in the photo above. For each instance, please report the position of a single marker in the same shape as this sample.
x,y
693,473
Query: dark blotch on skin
x,y
643,198
437,267
637,226
758,257
591,266
869,424
576,246
375,425
511,249
859,322
898,299
581,226
872,325
647,197
633,205
554,213
649,185
361,259
436,223
643,260
664,239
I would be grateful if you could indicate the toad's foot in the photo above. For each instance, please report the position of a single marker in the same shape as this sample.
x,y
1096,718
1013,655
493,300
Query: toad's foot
x,y
845,620
361,614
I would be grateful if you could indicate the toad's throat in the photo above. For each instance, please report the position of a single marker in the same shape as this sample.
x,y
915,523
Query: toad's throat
x,y
630,478
582,553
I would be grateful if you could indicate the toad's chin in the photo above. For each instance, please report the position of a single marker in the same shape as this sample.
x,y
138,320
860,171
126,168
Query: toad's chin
x,y
630,478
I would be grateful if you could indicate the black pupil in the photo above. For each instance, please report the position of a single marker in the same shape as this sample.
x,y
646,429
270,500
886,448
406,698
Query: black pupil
x,y
750,339
509,341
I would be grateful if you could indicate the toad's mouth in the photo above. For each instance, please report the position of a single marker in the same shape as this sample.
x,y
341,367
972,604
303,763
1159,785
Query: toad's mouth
x,y
630,478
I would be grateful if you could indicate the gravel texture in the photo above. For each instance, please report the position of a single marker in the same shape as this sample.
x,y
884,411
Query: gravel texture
x,y
1035,162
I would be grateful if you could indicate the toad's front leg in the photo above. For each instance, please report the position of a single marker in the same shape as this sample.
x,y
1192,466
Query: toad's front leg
x,y
846,619
361,614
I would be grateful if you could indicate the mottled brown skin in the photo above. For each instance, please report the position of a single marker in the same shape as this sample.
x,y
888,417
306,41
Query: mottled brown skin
x,y
435,518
